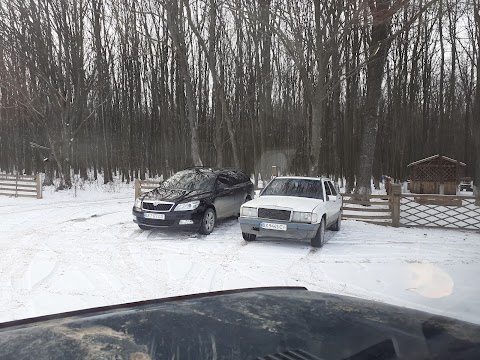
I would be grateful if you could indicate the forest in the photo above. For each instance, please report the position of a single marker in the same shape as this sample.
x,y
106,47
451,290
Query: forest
x,y
348,88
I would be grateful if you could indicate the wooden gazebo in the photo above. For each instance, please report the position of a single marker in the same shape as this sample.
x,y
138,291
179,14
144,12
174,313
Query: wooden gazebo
x,y
429,175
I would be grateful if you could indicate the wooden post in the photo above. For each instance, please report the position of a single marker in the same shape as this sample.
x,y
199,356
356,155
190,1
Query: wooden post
x,y
396,193
38,178
274,171
137,188
16,185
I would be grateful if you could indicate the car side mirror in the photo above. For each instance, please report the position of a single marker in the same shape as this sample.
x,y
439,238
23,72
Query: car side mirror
x,y
331,198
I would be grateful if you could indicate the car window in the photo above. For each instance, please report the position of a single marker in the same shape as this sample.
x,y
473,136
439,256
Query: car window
x,y
190,180
327,188
332,188
224,181
295,187
118,117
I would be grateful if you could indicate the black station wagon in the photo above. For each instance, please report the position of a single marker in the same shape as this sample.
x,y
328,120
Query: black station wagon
x,y
194,199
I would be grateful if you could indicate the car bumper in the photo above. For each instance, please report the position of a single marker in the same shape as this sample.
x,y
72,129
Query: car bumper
x,y
172,219
294,230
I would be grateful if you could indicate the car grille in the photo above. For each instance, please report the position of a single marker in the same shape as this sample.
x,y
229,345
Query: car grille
x,y
159,207
274,214
155,222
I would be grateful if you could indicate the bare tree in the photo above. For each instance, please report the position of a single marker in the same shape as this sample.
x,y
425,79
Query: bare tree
x,y
174,18
476,120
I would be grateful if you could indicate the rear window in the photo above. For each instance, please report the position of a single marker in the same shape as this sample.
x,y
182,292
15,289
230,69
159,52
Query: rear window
x,y
295,187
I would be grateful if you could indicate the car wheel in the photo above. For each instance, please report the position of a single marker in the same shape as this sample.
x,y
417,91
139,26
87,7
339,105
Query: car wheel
x,y
318,240
249,237
336,226
208,222
143,227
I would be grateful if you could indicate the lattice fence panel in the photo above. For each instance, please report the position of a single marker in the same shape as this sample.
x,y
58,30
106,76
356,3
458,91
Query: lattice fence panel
x,y
435,173
427,173
442,211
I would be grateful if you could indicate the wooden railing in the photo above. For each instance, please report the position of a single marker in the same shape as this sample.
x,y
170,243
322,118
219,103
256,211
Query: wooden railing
x,y
143,186
21,185
397,209
377,209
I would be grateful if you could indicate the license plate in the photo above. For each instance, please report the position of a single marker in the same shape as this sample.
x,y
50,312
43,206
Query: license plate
x,y
154,216
271,226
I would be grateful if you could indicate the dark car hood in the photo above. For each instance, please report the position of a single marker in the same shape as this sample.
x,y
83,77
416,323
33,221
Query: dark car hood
x,y
175,195
292,323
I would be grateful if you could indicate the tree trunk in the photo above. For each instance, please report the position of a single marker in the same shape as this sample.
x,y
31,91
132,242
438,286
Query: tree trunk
x,y
178,37
378,49
218,85
476,112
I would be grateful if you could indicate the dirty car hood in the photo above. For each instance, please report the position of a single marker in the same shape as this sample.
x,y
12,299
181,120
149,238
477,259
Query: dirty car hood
x,y
242,324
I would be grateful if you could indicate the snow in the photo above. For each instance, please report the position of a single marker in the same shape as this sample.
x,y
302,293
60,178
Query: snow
x,y
78,249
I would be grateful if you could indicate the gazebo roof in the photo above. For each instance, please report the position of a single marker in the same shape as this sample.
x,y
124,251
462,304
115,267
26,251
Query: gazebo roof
x,y
435,157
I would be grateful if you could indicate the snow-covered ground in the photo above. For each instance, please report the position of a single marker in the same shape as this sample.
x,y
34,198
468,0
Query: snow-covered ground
x,y
71,251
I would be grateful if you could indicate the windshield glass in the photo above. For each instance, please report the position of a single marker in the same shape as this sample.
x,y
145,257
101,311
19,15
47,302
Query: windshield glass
x,y
161,148
190,180
295,187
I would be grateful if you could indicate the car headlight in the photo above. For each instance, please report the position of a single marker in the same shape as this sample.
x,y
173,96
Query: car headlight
x,y
192,205
138,203
248,211
299,216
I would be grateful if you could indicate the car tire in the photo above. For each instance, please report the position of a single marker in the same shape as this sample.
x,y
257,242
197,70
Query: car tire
x,y
249,237
208,222
318,240
143,227
337,225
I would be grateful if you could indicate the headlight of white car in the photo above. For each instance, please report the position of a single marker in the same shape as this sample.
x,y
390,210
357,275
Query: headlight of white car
x,y
192,205
248,211
305,217
138,203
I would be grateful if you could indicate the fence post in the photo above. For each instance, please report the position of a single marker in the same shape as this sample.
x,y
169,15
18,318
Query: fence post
x,y
396,193
39,185
137,188
16,186
274,171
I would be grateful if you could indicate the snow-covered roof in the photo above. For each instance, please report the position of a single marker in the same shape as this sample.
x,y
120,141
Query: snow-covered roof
x,y
434,157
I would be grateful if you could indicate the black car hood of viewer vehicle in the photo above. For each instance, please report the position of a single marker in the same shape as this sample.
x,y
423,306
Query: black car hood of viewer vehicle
x,y
268,323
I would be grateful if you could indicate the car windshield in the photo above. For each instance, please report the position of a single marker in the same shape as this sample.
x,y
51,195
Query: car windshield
x,y
190,180
295,187
160,148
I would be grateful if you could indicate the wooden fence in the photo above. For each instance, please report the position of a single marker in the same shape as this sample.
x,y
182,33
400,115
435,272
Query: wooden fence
x,y
21,185
376,209
446,211
397,209
143,186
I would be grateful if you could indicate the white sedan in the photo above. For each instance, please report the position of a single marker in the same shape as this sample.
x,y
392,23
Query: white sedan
x,y
293,207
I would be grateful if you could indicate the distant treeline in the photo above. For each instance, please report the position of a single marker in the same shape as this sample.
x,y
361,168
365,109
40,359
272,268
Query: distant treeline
x,y
350,88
